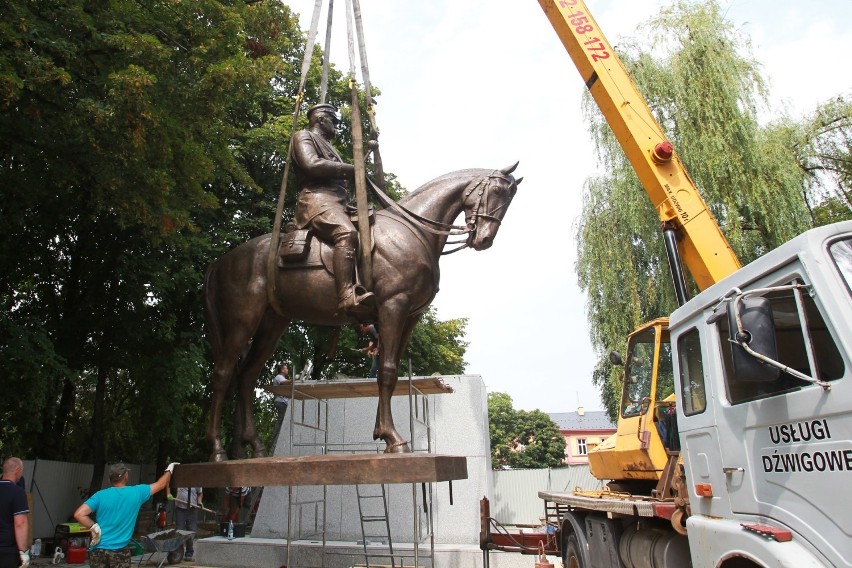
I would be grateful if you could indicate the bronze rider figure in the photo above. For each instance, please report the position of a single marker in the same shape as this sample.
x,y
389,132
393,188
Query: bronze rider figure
x,y
322,176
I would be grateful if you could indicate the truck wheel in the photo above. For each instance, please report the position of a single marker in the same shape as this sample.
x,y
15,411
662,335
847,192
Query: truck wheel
x,y
571,557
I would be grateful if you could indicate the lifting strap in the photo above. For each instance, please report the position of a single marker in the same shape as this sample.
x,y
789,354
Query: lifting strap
x,y
357,139
327,52
366,244
379,173
271,265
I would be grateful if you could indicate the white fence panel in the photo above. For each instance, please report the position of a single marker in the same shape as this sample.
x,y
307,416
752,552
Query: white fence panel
x,y
516,500
58,488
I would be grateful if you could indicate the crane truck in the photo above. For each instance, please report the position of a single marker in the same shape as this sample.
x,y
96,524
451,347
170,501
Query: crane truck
x,y
734,441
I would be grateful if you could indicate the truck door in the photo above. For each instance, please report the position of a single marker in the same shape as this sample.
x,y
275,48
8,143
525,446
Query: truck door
x,y
785,444
697,424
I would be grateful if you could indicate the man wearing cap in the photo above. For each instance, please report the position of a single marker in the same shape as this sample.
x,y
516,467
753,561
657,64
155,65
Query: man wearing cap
x,y
322,177
115,509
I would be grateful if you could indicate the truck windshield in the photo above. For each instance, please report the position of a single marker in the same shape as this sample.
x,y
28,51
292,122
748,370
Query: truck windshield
x,y
638,374
841,252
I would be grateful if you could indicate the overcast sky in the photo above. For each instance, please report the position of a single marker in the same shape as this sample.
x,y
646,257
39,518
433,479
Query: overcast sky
x,y
476,83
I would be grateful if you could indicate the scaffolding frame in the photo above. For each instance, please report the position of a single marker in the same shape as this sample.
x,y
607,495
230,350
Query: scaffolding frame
x,y
315,506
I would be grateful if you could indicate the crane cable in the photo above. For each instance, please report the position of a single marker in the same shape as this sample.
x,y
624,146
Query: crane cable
x,y
271,266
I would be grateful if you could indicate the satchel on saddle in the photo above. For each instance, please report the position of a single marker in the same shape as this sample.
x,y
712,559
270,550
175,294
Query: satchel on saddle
x,y
295,244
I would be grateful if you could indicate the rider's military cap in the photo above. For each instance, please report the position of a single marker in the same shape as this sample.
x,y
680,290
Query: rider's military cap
x,y
323,107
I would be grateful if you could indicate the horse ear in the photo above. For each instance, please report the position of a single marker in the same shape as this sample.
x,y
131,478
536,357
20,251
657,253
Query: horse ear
x,y
510,169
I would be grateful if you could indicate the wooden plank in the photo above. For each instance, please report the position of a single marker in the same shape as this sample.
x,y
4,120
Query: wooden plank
x,y
337,469
356,388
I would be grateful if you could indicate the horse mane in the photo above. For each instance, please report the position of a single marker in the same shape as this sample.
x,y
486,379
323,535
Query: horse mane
x,y
466,173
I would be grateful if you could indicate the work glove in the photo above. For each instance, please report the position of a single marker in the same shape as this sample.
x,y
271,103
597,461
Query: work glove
x,y
25,558
96,534
171,467
170,497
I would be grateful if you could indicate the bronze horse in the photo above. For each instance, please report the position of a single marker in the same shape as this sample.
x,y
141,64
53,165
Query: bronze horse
x,y
244,328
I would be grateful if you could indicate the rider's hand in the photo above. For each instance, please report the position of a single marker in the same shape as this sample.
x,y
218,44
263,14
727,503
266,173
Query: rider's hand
x,y
96,534
171,467
25,558
170,497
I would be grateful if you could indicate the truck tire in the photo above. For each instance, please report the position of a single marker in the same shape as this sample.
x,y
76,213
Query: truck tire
x,y
572,557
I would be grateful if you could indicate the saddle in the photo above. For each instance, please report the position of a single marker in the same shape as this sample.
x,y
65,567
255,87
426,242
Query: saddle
x,y
300,248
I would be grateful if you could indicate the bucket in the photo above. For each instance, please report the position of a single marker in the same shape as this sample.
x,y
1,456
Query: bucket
x,y
75,555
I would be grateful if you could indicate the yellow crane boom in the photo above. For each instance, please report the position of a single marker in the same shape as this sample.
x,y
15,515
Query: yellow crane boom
x,y
703,248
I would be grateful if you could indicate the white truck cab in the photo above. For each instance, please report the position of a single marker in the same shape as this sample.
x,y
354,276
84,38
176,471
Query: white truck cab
x,y
768,454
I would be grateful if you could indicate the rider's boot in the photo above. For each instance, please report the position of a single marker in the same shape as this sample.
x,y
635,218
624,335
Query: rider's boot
x,y
350,297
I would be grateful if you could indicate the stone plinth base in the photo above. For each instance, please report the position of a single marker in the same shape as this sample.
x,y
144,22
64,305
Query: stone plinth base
x,y
272,553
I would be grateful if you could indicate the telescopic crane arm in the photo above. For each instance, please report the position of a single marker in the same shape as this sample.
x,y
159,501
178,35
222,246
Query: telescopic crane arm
x,y
701,244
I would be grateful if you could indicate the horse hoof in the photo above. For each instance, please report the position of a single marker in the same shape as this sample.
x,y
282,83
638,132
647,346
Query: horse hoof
x,y
398,448
219,456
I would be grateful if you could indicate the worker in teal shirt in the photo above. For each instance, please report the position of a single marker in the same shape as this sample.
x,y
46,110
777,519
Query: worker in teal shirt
x,y
115,509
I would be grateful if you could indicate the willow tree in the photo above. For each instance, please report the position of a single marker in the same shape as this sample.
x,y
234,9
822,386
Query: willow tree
x,y
823,146
704,87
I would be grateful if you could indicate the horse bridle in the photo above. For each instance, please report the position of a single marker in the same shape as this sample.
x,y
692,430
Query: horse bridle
x,y
481,204
445,228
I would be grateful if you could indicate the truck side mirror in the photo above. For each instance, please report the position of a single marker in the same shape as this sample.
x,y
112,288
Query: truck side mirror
x,y
759,334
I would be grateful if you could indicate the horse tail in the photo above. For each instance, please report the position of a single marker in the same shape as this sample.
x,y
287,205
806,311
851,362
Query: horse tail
x,y
211,314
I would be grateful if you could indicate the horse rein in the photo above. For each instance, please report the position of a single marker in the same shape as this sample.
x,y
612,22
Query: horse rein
x,y
414,218
449,230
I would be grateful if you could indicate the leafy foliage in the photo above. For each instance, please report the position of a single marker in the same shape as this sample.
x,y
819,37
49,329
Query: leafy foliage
x,y
140,140
522,439
823,145
763,185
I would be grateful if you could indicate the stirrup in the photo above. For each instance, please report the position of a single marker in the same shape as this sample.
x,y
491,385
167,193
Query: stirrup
x,y
357,297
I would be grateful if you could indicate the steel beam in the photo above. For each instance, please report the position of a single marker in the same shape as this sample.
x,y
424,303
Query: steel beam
x,y
337,469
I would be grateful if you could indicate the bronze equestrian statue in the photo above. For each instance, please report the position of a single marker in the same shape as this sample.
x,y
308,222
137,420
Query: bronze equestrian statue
x,y
243,327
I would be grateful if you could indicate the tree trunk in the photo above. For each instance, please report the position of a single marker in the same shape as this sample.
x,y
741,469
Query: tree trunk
x,y
66,405
96,434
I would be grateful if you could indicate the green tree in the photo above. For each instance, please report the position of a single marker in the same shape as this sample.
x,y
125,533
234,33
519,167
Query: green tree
x,y
434,347
140,140
522,439
822,143
704,87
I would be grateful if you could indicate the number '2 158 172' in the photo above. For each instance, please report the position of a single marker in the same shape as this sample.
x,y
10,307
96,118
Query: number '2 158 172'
x,y
582,25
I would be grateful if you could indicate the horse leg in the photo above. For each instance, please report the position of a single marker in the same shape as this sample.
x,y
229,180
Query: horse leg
x,y
263,345
236,452
231,323
395,332
222,373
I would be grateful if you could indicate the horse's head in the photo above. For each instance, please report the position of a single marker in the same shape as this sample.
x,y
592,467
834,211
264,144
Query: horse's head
x,y
486,200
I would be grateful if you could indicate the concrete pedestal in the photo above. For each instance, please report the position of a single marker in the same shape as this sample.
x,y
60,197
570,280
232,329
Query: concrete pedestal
x,y
458,427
